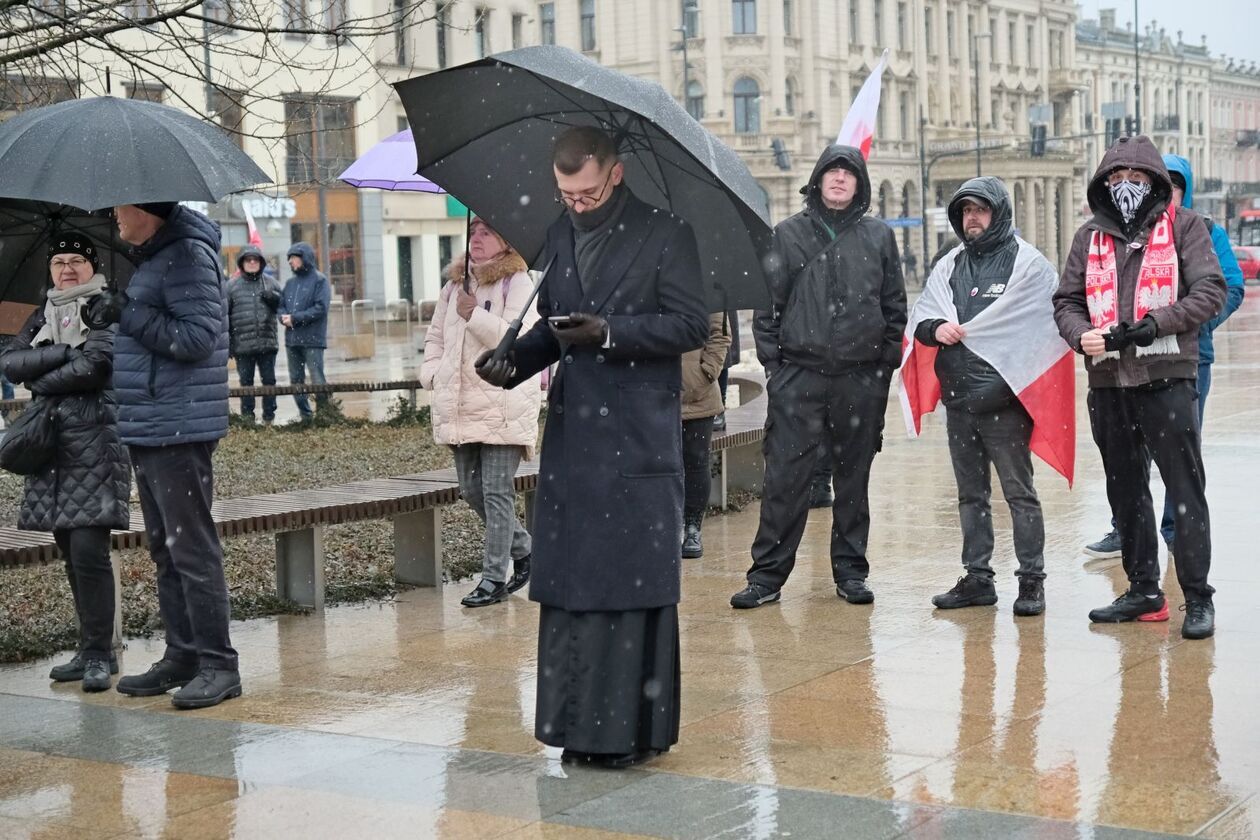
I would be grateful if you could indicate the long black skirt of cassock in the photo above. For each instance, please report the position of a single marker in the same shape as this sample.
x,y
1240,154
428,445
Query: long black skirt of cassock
x,y
608,682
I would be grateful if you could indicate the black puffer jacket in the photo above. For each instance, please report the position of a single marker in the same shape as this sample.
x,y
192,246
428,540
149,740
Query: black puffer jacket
x,y
252,303
89,482
835,282
981,273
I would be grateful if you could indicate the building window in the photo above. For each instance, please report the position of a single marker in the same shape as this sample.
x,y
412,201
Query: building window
x,y
903,115
588,25
400,31
789,97
747,107
744,17
1011,40
335,17
1031,34
695,100
788,28
518,31
230,113
442,16
971,38
853,22
878,13
903,15
546,23
950,31
929,30
481,33
318,137
691,18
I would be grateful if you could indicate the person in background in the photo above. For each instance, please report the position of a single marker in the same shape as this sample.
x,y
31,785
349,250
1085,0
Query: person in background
x,y
253,298
701,403
732,359
304,314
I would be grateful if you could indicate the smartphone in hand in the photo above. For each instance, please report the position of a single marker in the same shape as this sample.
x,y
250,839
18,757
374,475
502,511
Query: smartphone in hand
x,y
561,322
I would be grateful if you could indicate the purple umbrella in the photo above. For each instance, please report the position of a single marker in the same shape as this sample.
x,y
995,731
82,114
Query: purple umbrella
x,y
389,165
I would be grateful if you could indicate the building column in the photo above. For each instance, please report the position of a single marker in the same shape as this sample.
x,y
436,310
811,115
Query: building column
x,y
775,103
1050,244
1029,225
944,65
1067,216
714,89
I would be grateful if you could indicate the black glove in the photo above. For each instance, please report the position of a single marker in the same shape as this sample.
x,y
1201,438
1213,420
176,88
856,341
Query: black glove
x,y
104,309
1143,332
586,329
497,373
270,297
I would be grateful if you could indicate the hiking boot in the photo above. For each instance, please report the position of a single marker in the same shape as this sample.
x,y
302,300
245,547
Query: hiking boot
x,y
754,595
1032,597
820,495
970,591
72,671
161,677
487,592
96,674
1200,621
693,545
520,574
855,591
1132,606
209,688
1108,548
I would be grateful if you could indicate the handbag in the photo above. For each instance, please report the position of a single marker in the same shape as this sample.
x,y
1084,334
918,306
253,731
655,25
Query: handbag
x,y
31,440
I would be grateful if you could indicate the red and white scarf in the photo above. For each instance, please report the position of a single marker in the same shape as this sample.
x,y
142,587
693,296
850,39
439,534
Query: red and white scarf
x,y
1156,285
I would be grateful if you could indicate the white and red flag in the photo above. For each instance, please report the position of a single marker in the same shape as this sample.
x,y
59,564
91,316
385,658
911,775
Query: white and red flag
x,y
255,238
859,124
1017,336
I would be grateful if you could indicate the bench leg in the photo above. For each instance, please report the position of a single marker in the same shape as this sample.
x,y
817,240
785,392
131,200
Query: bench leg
x,y
418,547
745,468
528,498
717,487
300,567
115,562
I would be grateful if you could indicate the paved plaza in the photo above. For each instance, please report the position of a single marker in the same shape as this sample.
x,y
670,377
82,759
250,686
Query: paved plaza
x,y
809,718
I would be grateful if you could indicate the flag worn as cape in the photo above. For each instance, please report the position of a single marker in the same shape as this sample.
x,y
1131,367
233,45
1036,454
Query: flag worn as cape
x,y
1017,336
858,129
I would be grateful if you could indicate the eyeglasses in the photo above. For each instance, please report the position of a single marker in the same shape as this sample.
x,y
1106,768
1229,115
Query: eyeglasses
x,y
74,262
587,198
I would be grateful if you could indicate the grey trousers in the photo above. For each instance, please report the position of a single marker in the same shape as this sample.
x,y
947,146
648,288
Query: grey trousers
x,y
485,474
999,438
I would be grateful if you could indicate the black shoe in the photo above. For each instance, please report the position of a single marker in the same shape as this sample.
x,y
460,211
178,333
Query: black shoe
x,y
693,545
855,592
1200,622
161,677
96,674
970,591
575,757
1107,548
1131,606
719,422
820,495
754,595
72,671
209,688
520,574
627,760
1032,597
487,592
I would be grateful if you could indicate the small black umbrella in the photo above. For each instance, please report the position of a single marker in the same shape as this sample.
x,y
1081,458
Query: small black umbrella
x,y
484,133
27,228
101,152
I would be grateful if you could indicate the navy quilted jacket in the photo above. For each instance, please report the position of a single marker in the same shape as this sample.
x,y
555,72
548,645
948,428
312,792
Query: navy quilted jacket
x,y
170,357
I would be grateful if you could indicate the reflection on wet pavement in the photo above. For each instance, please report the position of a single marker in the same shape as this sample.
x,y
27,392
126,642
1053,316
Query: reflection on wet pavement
x,y
810,718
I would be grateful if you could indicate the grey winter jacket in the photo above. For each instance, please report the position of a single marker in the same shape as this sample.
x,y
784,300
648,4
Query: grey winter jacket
x,y
88,482
252,303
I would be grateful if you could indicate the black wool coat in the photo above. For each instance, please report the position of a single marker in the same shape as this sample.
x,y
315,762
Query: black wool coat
x,y
608,517
88,483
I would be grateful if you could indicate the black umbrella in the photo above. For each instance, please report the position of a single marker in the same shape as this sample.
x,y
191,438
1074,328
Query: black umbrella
x,y
484,133
102,152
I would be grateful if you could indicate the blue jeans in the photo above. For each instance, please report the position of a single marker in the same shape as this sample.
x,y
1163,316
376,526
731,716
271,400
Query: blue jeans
x,y
265,364
302,359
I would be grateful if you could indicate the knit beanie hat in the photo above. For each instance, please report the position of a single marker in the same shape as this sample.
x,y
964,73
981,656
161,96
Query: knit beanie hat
x,y
161,209
74,243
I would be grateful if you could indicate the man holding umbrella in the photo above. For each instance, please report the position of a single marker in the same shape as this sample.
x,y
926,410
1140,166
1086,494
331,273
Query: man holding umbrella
x,y
621,302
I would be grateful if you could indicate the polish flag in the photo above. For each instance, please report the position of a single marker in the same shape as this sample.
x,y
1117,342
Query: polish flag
x,y
1017,336
255,238
859,124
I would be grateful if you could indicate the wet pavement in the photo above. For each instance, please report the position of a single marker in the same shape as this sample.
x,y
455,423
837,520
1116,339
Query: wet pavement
x,y
809,718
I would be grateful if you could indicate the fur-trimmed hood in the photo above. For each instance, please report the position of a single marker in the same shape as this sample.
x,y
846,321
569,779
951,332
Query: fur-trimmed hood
x,y
487,274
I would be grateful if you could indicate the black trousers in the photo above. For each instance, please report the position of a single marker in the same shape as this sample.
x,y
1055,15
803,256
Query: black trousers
x,y
176,486
697,478
86,551
805,408
1162,419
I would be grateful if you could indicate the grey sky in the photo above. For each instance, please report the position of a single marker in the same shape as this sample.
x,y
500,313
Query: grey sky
x,y
1228,24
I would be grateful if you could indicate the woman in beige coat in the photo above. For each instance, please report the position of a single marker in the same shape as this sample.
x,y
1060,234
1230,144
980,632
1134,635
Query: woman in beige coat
x,y
489,429
701,402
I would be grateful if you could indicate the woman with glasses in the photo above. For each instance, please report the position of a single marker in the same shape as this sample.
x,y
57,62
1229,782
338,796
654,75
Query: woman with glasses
x,y
84,490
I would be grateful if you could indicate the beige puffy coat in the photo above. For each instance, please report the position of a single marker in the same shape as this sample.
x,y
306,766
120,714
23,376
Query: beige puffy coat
x,y
465,409
701,396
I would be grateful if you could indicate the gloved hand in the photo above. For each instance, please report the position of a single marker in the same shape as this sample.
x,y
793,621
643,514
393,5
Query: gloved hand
x,y
270,297
586,329
497,373
1143,332
104,309
465,302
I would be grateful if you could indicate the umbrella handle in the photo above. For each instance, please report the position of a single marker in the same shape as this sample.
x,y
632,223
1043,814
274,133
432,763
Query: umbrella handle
x,y
514,329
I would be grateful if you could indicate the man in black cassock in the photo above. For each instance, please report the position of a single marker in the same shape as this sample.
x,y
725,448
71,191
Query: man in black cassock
x,y
620,304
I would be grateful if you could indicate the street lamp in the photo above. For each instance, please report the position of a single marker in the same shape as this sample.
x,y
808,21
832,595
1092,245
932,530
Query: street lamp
x,y
1137,75
688,9
975,67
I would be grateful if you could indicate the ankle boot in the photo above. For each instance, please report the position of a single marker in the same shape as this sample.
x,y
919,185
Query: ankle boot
x,y
692,546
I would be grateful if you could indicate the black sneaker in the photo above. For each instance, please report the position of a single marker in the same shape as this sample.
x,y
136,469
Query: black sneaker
x,y
1032,597
1200,621
754,595
855,592
1131,606
719,422
96,675
161,677
1108,548
487,592
520,574
209,688
970,591
72,671
820,495
693,543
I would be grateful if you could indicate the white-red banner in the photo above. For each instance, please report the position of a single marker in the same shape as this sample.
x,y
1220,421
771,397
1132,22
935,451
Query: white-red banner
x,y
859,124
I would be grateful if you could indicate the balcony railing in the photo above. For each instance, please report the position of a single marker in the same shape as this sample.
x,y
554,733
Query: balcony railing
x,y
1171,122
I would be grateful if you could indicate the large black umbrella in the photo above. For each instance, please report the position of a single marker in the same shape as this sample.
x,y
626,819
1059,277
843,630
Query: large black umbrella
x,y
26,230
101,152
484,133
